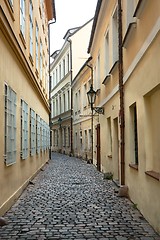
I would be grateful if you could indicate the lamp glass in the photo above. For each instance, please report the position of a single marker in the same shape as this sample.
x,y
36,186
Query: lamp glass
x,y
91,94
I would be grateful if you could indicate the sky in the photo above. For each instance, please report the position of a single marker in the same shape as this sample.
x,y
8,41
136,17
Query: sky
x,y
69,14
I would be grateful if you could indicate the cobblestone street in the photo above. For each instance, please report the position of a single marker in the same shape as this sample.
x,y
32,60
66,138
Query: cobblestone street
x,y
71,200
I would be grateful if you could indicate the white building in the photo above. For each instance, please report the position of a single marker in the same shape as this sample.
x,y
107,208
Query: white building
x,y
63,69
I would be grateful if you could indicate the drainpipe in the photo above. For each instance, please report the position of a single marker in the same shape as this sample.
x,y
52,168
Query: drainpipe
x,y
71,149
121,92
50,122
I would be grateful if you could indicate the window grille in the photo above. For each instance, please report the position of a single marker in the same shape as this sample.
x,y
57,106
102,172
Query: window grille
x,y
32,132
22,17
38,143
24,129
10,126
31,27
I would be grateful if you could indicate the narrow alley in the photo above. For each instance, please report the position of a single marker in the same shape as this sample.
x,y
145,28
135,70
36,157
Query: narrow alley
x,y
69,199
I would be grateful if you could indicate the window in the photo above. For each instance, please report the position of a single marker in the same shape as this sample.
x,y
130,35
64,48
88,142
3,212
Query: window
x,y
69,136
106,54
109,134
68,99
79,100
85,140
89,139
76,103
54,83
37,48
64,103
152,132
64,66
129,12
10,3
57,108
134,135
85,96
53,108
10,126
32,132
60,72
64,137
24,129
41,62
60,104
81,141
76,139
56,76
68,62
38,133
31,27
42,135
98,72
22,17
115,37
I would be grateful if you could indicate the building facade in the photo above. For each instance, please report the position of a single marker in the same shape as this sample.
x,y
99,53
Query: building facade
x,y
124,46
64,68
82,129
24,94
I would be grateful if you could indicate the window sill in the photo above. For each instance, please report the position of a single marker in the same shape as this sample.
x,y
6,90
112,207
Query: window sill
x,y
113,67
130,30
106,79
31,59
10,8
134,166
153,174
139,8
37,74
22,39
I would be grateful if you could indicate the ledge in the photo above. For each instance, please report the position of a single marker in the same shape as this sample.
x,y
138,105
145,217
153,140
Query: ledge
x,y
128,34
10,8
113,67
139,8
134,166
22,39
153,174
106,79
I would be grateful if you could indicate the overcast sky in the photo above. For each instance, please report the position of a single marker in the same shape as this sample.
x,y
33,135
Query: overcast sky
x,y
70,14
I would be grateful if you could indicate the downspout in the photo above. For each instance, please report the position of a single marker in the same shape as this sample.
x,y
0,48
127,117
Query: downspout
x,y
71,149
50,122
121,92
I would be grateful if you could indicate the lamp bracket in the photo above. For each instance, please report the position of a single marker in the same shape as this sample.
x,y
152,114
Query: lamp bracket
x,y
99,110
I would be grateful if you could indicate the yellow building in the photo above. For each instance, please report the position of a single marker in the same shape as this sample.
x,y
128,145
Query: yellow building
x,y
82,128
23,93
124,46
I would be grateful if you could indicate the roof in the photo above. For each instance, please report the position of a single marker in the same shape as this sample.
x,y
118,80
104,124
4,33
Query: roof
x,y
70,32
99,3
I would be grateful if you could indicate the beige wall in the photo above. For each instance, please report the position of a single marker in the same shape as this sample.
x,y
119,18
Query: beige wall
x,y
82,144
141,89
18,72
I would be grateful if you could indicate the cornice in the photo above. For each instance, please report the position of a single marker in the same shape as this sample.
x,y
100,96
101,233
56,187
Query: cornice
x,y
12,39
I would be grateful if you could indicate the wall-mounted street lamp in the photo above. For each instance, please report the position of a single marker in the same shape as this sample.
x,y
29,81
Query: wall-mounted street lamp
x,y
91,94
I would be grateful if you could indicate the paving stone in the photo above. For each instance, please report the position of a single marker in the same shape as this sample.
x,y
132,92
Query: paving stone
x,y
70,199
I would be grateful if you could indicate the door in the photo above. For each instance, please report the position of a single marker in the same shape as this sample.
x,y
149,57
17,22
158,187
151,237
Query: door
x,y
98,148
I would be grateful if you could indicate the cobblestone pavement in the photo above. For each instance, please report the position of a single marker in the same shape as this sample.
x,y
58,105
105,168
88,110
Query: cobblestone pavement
x,y
71,200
